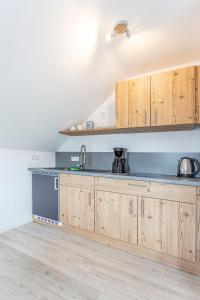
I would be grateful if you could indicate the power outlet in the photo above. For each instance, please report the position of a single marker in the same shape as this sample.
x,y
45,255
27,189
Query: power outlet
x,y
35,156
74,158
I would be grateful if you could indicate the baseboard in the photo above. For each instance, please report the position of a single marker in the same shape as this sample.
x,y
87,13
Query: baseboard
x,y
15,225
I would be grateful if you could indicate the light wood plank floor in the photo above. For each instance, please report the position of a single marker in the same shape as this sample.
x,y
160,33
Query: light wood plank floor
x,y
39,262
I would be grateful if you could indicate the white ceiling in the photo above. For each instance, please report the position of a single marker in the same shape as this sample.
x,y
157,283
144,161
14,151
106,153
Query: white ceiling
x,y
56,68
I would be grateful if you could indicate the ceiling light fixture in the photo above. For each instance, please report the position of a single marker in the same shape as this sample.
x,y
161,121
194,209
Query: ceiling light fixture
x,y
120,28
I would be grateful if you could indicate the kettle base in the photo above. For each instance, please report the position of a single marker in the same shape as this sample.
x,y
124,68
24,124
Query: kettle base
x,y
186,175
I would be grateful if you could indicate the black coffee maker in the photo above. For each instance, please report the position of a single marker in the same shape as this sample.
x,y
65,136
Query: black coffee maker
x,y
120,163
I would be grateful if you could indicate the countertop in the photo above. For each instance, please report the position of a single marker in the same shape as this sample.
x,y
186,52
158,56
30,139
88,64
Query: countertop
x,y
171,179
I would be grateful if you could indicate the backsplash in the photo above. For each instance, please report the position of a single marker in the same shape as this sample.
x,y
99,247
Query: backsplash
x,y
152,162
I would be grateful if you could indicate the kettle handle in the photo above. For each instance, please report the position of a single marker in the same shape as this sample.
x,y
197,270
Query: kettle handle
x,y
197,163
178,167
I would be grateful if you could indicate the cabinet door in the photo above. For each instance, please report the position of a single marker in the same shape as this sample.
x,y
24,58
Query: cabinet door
x,y
161,99
116,216
173,97
167,226
149,223
122,104
184,96
198,94
187,231
77,207
139,102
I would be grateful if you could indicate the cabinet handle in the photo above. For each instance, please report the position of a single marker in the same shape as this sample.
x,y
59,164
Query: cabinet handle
x,y
137,185
131,207
155,116
55,183
89,199
142,208
145,117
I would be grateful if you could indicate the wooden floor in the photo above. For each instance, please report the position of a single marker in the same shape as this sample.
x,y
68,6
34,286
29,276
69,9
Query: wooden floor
x,y
39,262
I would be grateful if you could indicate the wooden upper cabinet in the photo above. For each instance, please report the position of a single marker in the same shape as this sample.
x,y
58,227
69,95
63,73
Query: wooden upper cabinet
x,y
184,96
133,103
139,102
122,104
161,99
173,97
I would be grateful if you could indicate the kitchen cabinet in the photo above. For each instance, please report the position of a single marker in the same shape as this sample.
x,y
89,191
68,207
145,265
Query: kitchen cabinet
x,y
139,102
167,226
156,190
162,99
198,226
122,104
133,103
116,216
198,94
77,207
173,97
159,221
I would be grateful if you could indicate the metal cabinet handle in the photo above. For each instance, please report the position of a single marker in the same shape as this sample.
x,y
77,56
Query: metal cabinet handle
x,y
145,117
89,199
131,207
55,183
137,185
142,208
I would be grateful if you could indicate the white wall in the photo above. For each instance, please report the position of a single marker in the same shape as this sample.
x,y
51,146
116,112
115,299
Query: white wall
x,y
15,185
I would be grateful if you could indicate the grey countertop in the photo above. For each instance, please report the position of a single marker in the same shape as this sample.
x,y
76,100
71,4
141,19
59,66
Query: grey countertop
x,y
133,176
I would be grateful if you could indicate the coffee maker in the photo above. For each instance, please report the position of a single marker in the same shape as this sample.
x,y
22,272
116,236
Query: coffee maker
x,y
120,163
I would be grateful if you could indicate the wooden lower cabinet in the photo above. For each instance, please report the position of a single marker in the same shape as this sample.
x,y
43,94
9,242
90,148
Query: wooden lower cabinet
x,y
198,226
116,216
167,226
157,221
77,207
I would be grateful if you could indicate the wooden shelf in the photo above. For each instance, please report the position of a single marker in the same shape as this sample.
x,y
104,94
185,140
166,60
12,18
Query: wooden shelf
x,y
102,131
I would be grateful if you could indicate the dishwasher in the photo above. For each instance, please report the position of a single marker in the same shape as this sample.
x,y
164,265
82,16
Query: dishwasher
x,y
45,199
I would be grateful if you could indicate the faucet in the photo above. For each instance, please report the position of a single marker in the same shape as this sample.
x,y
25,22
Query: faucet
x,y
83,158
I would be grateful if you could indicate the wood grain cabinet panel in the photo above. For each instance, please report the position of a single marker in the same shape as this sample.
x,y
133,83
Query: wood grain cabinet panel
x,y
116,216
161,99
198,94
149,221
122,104
183,96
179,193
139,102
173,97
198,226
77,180
77,207
167,226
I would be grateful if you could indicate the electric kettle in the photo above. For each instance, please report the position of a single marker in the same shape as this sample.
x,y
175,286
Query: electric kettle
x,y
188,167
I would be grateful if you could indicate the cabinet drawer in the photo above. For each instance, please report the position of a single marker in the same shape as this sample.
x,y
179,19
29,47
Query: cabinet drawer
x,y
121,186
77,180
172,192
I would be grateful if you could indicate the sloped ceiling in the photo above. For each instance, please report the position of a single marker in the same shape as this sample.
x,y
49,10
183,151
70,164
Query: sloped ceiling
x,y
56,68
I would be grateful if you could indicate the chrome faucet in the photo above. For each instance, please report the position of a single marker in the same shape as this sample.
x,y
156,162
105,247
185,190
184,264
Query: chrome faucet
x,y
82,158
